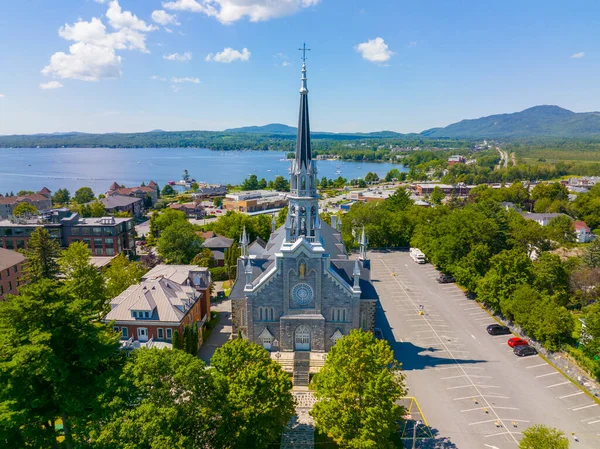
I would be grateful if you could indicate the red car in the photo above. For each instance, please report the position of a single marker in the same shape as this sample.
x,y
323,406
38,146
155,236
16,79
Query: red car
x,y
516,341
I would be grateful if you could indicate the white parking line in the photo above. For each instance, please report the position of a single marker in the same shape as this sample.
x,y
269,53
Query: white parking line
x,y
477,313
588,419
570,395
585,406
481,422
594,422
546,375
556,385
500,433
483,318
537,366
481,396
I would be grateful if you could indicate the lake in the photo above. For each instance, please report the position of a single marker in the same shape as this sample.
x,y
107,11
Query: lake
x,y
98,168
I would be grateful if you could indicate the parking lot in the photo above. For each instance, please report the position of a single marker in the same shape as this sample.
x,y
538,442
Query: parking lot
x,y
473,390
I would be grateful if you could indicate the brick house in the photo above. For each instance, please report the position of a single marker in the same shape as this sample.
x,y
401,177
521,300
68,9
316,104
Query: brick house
x,y
40,200
137,192
105,236
168,298
11,269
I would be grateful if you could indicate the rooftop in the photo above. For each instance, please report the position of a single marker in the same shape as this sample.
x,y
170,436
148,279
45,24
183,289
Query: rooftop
x,y
112,201
180,274
10,258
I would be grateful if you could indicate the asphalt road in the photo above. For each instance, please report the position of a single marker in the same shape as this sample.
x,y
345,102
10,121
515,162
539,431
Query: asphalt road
x,y
473,391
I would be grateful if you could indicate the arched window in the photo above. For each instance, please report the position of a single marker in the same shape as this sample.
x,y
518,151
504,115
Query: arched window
x,y
303,183
260,313
363,320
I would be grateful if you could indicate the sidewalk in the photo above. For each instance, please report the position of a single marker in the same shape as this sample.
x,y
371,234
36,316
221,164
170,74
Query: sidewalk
x,y
220,334
300,431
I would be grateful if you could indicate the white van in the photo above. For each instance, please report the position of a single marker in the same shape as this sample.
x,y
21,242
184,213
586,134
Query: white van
x,y
417,255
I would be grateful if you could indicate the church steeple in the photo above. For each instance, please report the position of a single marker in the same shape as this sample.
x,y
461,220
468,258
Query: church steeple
x,y
302,220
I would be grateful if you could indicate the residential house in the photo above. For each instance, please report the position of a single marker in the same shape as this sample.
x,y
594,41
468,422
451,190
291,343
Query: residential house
x,y
41,201
191,209
542,219
582,232
141,192
105,236
166,300
118,203
11,269
218,245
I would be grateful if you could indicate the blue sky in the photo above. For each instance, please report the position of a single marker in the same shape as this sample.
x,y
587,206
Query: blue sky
x,y
138,65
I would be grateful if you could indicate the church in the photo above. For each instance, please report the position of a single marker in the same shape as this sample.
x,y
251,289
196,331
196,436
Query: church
x,y
302,292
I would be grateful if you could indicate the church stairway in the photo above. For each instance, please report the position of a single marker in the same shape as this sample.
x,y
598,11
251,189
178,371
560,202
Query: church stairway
x,y
301,375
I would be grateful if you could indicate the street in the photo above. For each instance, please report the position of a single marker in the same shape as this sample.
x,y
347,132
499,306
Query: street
x,y
472,389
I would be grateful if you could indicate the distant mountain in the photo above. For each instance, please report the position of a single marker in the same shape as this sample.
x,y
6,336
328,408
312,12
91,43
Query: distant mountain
x,y
538,121
272,128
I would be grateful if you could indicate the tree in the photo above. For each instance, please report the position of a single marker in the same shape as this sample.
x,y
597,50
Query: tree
x,y
160,222
400,200
168,190
24,208
591,254
195,186
218,201
250,183
394,173
262,184
257,395
205,258
61,196
42,253
80,277
97,209
25,192
357,390
179,243
147,201
281,184
543,437
121,274
371,177
169,400
560,229
52,342
437,195
83,195
231,256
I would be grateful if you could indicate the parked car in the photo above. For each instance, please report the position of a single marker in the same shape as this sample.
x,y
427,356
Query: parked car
x,y
523,351
445,279
516,341
497,329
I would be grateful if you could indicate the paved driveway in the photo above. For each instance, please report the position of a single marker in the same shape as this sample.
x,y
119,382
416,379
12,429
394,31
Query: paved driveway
x,y
220,334
474,392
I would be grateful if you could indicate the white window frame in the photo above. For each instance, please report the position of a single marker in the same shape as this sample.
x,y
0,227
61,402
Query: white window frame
x,y
169,334
116,329
160,333
125,332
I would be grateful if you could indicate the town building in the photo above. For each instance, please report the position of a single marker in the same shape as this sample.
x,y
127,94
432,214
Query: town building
x,y
582,232
192,209
41,200
113,204
209,191
543,219
168,298
11,269
302,293
142,192
218,245
448,189
105,236
456,159
254,201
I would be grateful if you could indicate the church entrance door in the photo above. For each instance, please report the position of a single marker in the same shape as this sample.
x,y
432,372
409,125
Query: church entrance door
x,y
302,340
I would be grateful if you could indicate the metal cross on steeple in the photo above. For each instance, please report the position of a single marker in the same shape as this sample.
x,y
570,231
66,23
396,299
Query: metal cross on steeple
x,y
304,50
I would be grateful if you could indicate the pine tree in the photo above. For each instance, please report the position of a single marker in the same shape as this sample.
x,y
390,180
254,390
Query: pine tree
x,y
176,339
42,254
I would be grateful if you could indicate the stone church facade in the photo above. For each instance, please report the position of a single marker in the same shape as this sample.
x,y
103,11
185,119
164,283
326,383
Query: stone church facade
x,y
301,292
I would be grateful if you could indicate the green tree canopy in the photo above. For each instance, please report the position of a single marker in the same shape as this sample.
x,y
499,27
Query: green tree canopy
x,y
258,400
281,184
52,343
179,243
437,195
97,209
42,254
83,195
24,208
160,222
121,274
250,183
168,400
560,229
168,190
61,196
543,437
357,391
205,258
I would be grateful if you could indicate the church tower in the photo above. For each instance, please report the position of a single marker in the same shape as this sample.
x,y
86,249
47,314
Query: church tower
x,y
303,212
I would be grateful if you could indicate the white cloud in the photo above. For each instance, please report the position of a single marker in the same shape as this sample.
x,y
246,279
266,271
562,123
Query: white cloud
x,y
185,80
285,63
228,11
229,55
175,88
93,56
187,56
51,85
159,78
162,17
120,19
579,55
375,50
2,95
168,30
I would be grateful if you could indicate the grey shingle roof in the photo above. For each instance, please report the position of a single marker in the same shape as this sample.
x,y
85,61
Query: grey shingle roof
x,y
10,258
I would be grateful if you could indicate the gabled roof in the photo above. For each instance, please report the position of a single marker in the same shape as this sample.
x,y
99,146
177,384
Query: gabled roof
x,y
10,258
113,201
180,274
168,301
45,191
152,184
581,225
115,186
218,242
